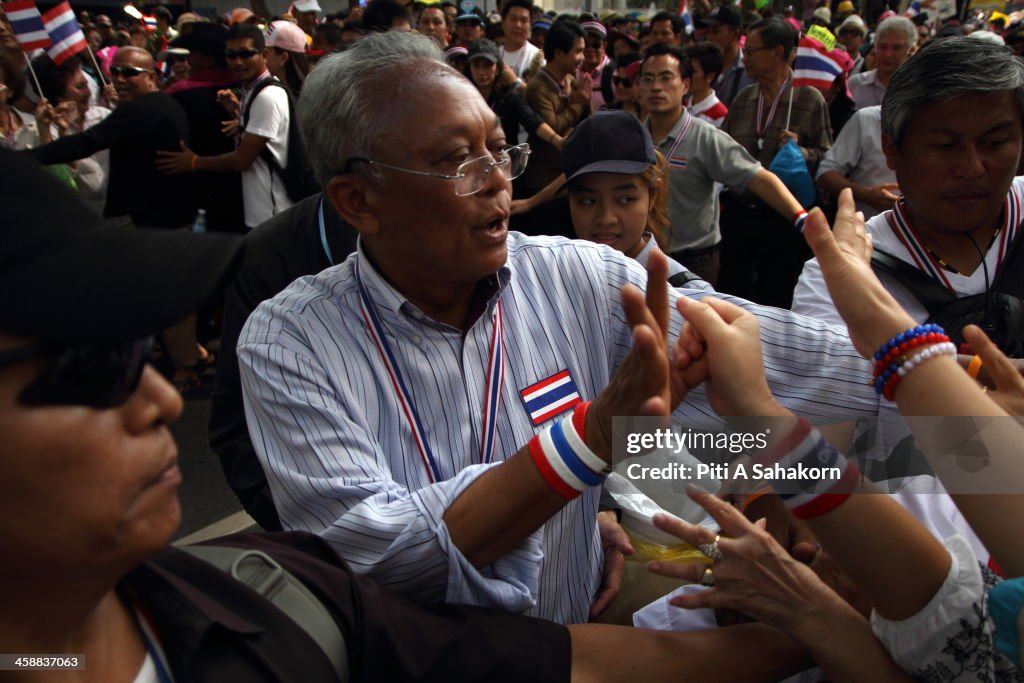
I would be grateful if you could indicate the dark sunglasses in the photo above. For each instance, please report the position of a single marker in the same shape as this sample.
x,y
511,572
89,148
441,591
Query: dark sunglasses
x,y
240,54
101,376
127,71
624,82
849,32
596,45
176,59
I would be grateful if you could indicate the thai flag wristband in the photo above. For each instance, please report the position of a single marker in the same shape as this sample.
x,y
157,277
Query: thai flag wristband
x,y
563,459
799,219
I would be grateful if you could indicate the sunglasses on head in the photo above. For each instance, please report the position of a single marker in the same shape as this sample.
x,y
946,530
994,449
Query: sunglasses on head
x,y
99,376
240,54
624,82
127,71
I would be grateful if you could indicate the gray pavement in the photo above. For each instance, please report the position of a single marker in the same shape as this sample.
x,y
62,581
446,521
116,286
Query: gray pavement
x,y
204,494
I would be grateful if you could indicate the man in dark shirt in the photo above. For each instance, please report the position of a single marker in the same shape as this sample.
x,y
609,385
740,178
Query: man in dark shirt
x,y
145,121
302,240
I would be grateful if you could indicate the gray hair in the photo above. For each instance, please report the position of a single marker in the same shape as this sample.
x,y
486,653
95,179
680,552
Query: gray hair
x,y
946,68
340,109
895,25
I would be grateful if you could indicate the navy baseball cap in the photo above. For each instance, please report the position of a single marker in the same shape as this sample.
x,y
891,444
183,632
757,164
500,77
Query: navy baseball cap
x,y
607,142
476,18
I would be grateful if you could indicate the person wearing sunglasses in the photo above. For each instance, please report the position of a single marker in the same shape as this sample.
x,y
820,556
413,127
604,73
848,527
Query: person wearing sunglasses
x,y
177,61
261,130
596,62
624,83
89,505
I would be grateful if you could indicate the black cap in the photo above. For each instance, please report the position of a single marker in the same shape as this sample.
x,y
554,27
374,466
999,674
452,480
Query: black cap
x,y
484,49
470,17
722,14
67,276
607,142
205,38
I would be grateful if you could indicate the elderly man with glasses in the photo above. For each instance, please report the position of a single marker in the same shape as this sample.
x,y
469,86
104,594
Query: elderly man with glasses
x,y
440,404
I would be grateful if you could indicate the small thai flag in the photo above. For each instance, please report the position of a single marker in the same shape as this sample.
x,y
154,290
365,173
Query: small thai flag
x,y
550,397
150,23
65,33
677,163
813,66
27,23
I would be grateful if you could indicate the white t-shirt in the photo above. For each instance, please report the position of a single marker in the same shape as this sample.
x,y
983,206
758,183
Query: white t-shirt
x,y
521,59
263,193
857,154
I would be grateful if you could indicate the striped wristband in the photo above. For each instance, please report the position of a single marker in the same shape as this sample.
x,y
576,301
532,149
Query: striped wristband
x,y
805,451
563,459
799,219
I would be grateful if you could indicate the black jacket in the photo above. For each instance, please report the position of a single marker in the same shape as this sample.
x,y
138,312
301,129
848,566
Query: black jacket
x,y
277,252
133,133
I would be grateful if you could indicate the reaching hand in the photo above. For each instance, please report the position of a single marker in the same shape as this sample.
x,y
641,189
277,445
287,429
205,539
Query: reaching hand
x,y
870,312
582,89
720,344
640,387
1001,371
229,100
880,197
176,162
615,542
755,574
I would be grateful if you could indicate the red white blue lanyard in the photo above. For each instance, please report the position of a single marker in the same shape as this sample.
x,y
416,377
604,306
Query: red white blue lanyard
x,y
922,257
156,653
761,128
492,396
683,130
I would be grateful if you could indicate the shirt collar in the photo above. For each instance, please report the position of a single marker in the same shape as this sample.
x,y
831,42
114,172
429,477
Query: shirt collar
x,y
387,298
676,127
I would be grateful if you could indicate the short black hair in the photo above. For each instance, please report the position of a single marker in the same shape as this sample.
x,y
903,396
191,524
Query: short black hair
x,y
380,15
775,31
509,4
658,49
241,31
562,36
626,59
54,79
708,55
665,15
161,12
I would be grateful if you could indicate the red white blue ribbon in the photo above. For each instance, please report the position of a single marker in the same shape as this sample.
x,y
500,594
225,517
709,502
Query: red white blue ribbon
x,y
679,162
761,128
492,395
925,262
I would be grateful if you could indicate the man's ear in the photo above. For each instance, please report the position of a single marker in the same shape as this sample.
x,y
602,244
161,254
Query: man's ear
x,y
892,153
348,195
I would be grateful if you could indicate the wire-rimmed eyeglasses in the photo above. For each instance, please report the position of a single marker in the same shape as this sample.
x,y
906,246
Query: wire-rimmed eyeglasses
x,y
470,176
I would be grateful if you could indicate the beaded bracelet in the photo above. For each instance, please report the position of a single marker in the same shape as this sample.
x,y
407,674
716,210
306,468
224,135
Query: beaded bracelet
x,y
944,348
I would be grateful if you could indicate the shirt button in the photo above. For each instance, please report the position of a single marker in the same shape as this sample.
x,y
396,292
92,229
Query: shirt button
x,y
416,339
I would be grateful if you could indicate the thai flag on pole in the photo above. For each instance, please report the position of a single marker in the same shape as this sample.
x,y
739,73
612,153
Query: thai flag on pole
x,y
813,66
27,23
65,33
550,397
150,23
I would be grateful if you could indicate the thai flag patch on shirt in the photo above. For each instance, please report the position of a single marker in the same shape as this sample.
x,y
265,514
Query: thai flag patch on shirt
x,y
550,397
677,162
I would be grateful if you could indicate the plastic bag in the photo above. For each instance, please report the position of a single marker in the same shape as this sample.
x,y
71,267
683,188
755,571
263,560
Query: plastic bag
x,y
790,167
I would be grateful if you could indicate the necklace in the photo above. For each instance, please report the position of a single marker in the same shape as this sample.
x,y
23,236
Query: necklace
x,y
942,262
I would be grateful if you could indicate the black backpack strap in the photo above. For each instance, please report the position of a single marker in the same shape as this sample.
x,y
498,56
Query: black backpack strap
x,y
263,574
931,294
682,279
265,83
1010,278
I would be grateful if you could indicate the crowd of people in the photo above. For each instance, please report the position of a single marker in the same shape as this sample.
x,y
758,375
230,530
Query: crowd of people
x,y
448,252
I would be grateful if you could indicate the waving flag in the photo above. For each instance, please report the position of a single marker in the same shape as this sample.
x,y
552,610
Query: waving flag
x,y
65,33
813,66
27,24
150,23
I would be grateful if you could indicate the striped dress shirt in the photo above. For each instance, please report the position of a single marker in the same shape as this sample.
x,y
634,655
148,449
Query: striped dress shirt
x,y
339,453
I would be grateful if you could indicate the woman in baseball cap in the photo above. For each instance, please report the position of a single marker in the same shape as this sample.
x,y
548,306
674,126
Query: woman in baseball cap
x,y
618,187
286,55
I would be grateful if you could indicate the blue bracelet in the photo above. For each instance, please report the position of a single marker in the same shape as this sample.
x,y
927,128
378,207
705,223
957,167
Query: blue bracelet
x,y
912,333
